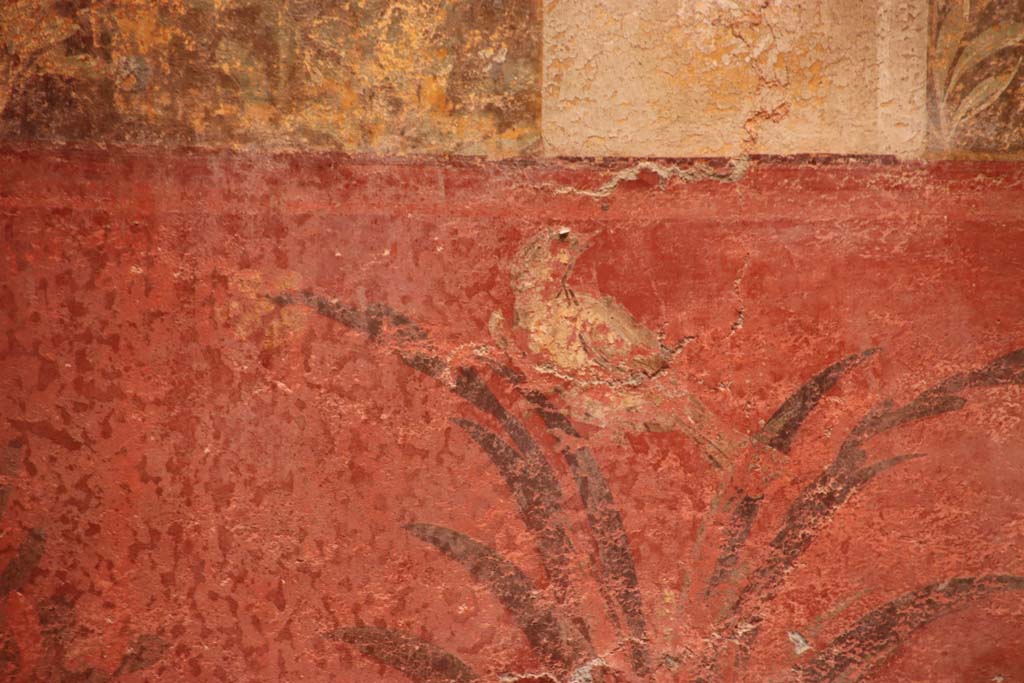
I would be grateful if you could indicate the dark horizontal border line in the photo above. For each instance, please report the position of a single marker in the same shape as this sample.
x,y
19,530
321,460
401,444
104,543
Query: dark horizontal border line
x,y
608,161
312,159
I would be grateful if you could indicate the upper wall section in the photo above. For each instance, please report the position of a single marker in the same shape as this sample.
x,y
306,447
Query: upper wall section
x,y
519,77
373,76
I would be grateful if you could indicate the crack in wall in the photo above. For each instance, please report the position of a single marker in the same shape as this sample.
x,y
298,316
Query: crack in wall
x,y
755,30
699,172
737,286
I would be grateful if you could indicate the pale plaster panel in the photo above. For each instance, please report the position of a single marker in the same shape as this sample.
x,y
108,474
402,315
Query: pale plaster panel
x,y
726,77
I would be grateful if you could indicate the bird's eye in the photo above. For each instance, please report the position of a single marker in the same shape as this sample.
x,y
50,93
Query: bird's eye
x,y
563,234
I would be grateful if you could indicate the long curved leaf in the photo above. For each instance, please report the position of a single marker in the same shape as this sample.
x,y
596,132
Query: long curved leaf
x,y
557,642
947,41
985,45
374,320
819,500
553,419
813,509
536,491
381,321
421,661
526,471
1005,370
470,386
942,398
983,96
878,634
780,429
735,535
613,550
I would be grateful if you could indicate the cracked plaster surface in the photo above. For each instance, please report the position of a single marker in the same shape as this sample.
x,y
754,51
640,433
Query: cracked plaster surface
x,y
723,77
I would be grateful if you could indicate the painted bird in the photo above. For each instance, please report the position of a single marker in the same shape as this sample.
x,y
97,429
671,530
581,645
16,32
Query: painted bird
x,y
590,338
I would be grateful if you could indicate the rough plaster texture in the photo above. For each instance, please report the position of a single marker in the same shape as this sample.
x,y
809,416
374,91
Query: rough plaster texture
x,y
297,417
717,77
338,415
361,76
660,78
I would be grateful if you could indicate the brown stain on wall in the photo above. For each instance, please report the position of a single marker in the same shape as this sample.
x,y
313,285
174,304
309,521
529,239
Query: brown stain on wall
x,y
360,76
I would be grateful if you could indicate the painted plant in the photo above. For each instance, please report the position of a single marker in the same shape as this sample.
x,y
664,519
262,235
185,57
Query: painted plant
x,y
974,60
743,582
55,619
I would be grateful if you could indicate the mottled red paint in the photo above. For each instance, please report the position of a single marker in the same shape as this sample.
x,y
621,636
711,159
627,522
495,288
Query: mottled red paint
x,y
223,476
